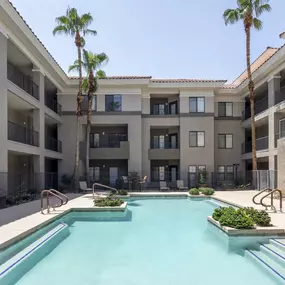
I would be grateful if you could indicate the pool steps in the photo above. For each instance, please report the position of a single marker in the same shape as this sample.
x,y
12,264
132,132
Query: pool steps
x,y
16,267
271,257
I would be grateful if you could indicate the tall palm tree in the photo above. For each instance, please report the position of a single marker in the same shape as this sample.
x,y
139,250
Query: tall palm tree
x,y
249,11
91,63
76,26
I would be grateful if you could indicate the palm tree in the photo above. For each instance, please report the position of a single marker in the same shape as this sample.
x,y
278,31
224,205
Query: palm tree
x,y
91,63
249,12
74,25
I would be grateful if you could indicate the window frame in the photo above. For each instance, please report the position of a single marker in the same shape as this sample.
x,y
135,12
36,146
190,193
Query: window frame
x,y
225,109
225,141
230,173
193,167
107,107
197,109
197,132
221,173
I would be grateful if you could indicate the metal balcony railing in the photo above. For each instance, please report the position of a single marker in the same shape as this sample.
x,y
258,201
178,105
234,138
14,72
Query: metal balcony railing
x,y
165,111
164,145
111,141
22,134
261,144
21,80
53,144
53,105
259,106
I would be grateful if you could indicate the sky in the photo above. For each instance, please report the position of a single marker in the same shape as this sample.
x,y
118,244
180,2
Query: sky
x,y
158,38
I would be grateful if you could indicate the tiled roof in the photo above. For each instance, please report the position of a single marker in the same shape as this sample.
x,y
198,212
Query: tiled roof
x,y
118,77
181,80
229,86
36,37
264,57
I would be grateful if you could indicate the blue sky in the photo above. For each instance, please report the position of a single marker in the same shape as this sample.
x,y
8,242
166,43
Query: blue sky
x,y
161,38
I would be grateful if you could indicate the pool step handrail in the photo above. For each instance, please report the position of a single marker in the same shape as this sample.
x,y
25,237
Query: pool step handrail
x,y
271,200
61,195
48,192
259,193
103,186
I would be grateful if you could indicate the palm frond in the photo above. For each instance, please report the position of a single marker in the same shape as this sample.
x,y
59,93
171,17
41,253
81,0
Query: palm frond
x,y
261,9
231,16
86,20
102,58
82,40
62,20
257,24
74,66
90,32
100,74
85,84
72,15
61,29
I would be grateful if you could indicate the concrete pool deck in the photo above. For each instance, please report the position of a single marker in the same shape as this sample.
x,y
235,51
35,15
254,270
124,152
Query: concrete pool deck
x,y
18,221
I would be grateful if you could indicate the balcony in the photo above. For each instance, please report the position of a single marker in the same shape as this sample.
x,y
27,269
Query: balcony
x,y
259,107
21,80
279,136
22,134
166,150
53,144
162,107
280,95
111,141
261,144
52,104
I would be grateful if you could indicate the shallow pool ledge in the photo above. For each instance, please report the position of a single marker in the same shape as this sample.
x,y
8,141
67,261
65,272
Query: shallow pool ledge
x,y
258,231
121,208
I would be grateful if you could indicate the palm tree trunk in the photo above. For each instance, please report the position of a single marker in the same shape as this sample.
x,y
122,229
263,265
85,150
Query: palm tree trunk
x,y
251,98
89,117
78,109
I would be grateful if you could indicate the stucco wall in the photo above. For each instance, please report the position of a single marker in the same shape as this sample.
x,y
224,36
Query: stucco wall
x,y
281,164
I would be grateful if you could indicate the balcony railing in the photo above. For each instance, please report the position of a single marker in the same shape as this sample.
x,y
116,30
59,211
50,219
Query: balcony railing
x,y
261,144
163,112
259,107
53,144
280,95
21,80
53,105
112,141
22,134
164,145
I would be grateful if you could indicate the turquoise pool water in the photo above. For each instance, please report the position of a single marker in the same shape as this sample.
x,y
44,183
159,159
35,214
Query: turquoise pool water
x,y
161,242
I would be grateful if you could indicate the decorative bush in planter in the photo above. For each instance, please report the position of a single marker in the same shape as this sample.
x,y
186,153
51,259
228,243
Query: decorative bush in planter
x,y
194,191
202,178
207,191
243,218
108,202
122,192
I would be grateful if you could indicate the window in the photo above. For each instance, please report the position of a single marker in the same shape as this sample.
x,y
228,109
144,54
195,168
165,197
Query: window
x,y
196,139
84,106
282,128
113,103
230,173
225,141
225,109
158,142
94,140
197,104
94,107
158,173
221,173
94,173
192,168
201,167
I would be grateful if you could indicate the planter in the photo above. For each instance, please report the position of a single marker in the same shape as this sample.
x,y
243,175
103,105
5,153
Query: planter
x,y
202,185
258,231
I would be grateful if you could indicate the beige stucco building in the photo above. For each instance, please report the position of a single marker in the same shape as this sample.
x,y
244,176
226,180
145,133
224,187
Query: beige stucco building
x,y
166,129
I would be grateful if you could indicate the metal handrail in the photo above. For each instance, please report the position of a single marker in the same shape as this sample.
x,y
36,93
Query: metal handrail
x,y
253,198
60,194
104,186
271,205
48,205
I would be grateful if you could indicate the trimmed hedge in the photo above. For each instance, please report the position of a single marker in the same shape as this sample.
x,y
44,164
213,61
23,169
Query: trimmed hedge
x,y
107,202
244,218
207,191
194,191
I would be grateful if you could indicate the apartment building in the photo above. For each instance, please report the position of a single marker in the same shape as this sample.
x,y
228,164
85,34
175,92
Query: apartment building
x,y
165,129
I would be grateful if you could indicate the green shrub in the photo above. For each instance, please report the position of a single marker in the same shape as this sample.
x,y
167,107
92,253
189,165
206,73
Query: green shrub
x,y
122,192
194,191
260,218
237,219
107,202
207,191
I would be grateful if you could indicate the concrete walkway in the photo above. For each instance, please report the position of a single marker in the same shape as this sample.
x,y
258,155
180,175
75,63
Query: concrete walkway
x,y
19,221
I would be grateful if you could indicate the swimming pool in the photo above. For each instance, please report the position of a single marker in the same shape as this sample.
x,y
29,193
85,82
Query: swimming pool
x,y
156,241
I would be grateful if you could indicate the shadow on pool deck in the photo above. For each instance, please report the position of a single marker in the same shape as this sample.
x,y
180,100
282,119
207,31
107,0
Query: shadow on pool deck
x,y
14,213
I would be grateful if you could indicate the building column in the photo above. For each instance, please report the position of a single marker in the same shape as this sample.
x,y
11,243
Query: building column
x,y
4,120
273,87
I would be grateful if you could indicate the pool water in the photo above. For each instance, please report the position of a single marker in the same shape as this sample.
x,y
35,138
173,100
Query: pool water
x,y
166,241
